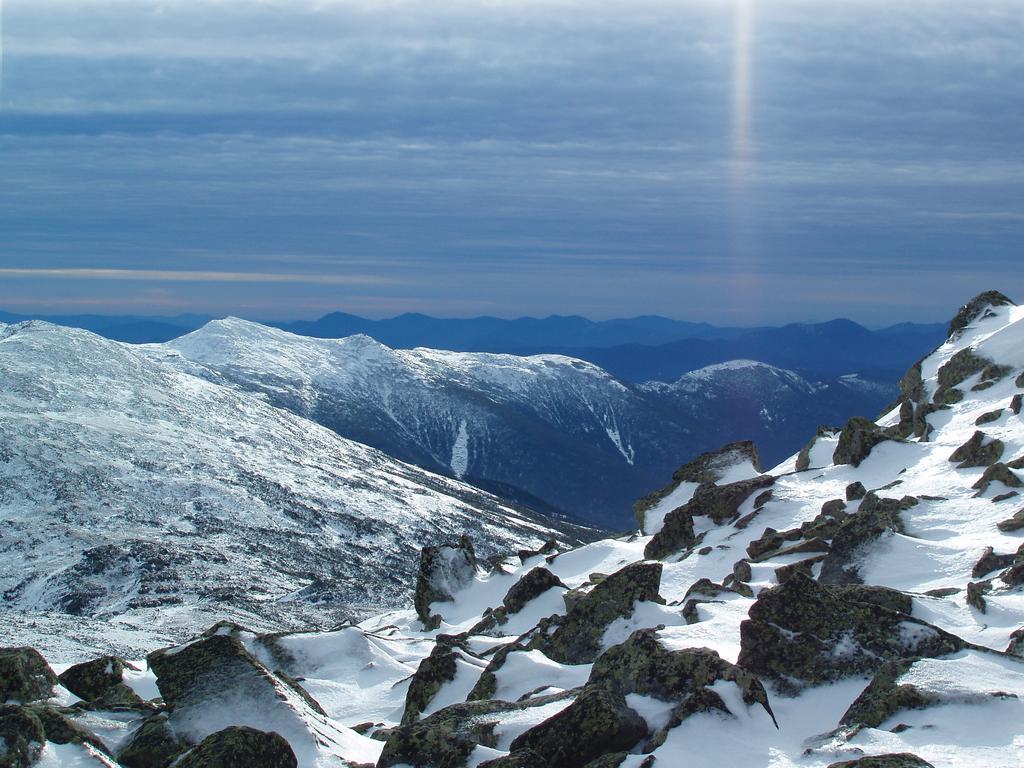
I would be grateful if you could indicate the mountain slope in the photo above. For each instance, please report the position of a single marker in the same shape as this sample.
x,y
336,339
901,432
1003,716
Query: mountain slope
x,y
129,488
551,431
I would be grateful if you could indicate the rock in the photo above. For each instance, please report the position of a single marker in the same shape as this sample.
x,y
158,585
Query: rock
x,y
719,502
990,561
433,672
976,594
449,736
63,730
892,599
521,758
978,307
979,451
597,723
857,440
532,585
101,681
833,508
487,684
21,736
770,541
153,744
1012,524
577,635
1016,402
1014,575
803,459
643,666
883,697
707,469
998,472
443,571
958,369
24,676
802,632
875,517
806,567
549,547
855,490
988,418
1016,646
741,571
896,760
238,747
1005,497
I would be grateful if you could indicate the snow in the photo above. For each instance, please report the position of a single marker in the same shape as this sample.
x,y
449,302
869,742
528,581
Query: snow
x,y
460,451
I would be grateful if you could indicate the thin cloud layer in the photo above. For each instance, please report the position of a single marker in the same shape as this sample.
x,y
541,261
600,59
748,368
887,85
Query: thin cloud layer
x,y
515,157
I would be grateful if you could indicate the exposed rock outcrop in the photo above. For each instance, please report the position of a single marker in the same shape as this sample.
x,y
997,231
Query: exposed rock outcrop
x,y
24,676
240,746
858,438
443,571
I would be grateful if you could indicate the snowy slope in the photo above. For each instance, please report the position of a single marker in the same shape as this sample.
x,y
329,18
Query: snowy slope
x,y
867,605
135,492
549,430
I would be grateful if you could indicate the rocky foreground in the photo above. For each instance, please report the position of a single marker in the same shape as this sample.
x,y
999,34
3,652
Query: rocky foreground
x,y
860,604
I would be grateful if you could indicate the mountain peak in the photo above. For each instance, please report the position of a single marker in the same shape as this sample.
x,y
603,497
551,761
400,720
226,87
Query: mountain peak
x,y
980,306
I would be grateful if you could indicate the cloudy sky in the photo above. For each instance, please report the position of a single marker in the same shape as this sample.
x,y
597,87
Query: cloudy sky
x,y
738,161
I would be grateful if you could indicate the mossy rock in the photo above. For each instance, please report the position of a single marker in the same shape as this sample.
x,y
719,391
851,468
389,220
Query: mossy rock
x,y
21,736
532,585
806,567
597,723
442,570
433,672
25,676
487,684
858,438
883,697
804,633
240,747
521,758
154,744
855,491
707,469
990,561
447,737
577,636
894,760
875,517
62,729
1016,402
721,503
549,547
1012,524
100,682
980,306
989,417
958,369
803,459
979,451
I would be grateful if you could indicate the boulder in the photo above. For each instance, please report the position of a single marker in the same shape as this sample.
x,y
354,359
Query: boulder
x,y
61,729
998,472
855,490
532,585
958,369
990,561
875,517
154,744
884,697
576,637
443,571
706,469
804,633
1012,524
1016,402
1016,646
21,736
858,439
803,459
719,502
978,307
988,418
975,596
979,451
238,747
101,681
521,758
24,676
433,672
597,723
895,760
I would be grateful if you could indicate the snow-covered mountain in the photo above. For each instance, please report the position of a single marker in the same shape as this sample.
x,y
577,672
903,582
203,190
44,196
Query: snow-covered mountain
x,y
860,604
551,431
133,491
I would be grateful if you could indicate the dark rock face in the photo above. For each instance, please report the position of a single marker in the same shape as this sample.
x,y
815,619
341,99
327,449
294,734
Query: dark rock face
x,y
532,585
803,459
990,561
719,502
153,745
708,468
980,306
62,730
239,746
855,490
576,639
521,758
802,632
1016,646
21,737
958,369
897,760
447,737
443,571
988,418
597,723
857,440
979,451
642,665
875,517
100,680
25,676
997,472
433,672
883,697
1012,524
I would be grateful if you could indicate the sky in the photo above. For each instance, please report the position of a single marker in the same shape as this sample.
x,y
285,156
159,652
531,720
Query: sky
x,y
733,161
